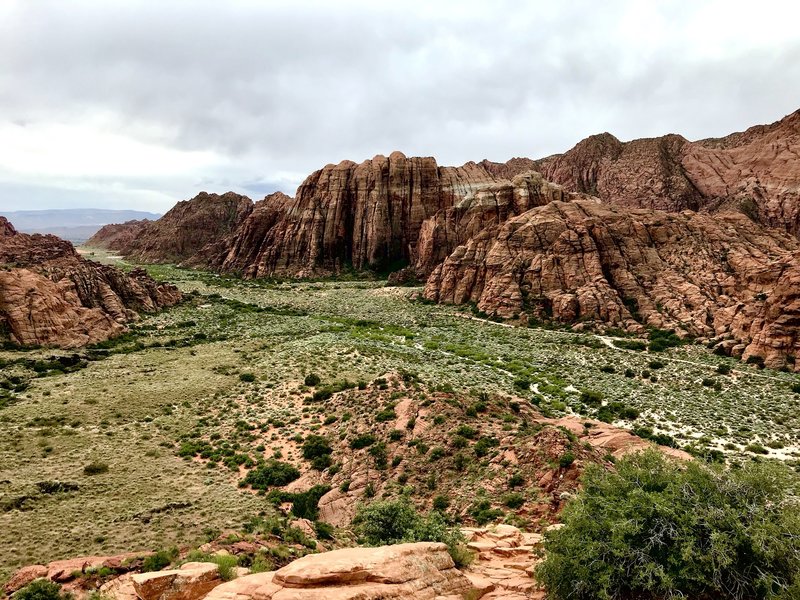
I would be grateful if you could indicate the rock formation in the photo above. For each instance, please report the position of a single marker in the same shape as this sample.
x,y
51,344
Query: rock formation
x,y
716,277
49,295
119,237
360,216
177,236
422,570
756,171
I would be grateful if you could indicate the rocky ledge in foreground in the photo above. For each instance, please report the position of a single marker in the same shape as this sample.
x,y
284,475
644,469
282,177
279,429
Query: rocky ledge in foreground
x,y
723,278
51,296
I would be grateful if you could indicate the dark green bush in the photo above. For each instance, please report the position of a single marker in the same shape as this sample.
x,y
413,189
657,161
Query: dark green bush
x,y
362,441
312,380
723,369
315,446
159,560
95,468
272,473
397,521
41,589
656,528
247,377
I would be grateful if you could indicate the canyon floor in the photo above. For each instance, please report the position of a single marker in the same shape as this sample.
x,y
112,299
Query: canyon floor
x,y
238,352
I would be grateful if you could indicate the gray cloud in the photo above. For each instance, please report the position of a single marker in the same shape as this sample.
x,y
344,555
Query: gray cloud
x,y
254,95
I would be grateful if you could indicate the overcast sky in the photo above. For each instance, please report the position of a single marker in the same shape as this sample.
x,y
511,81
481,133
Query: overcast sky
x,y
124,104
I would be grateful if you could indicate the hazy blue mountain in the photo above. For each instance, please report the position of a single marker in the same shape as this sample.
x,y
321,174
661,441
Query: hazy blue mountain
x,y
74,224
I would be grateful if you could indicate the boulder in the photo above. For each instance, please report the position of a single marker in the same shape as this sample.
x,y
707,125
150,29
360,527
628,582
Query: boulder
x,y
23,577
191,581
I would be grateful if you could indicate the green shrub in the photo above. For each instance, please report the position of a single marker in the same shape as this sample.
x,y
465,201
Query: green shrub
x,y
159,560
656,528
397,521
323,530
41,589
483,512
514,500
95,468
312,380
247,377
566,459
315,446
272,473
723,369
362,441
225,562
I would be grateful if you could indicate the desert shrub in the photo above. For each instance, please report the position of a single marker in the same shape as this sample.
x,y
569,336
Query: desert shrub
x,y
483,512
378,452
397,521
41,589
629,373
796,388
607,369
315,446
656,364
323,530
362,441
656,528
95,468
386,414
466,431
225,562
516,480
630,345
591,398
756,448
272,473
305,505
312,380
159,560
441,503
723,369
514,500
566,459
247,377
484,444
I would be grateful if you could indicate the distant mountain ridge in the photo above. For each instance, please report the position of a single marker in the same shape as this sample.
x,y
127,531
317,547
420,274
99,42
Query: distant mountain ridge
x,y
74,224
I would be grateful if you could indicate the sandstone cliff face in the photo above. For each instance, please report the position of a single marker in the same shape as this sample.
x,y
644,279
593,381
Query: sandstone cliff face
x,y
188,227
756,171
118,236
49,295
352,215
481,210
716,277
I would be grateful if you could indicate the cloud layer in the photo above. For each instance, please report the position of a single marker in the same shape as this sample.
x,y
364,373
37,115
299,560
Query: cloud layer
x,y
139,104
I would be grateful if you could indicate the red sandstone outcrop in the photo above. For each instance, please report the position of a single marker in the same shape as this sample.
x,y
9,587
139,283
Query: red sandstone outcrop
x,y
191,581
421,570
357,216
187,228
756,171
50,295
482,210
715,277
118,236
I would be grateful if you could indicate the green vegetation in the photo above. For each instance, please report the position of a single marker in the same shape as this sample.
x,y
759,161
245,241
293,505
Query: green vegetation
x,y
273,473
41,589
397,521
655,528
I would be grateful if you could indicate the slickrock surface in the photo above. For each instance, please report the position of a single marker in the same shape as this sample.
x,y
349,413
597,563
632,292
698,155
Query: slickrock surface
x,y
49,295
721,277
505,558
118,236
422,570
757,171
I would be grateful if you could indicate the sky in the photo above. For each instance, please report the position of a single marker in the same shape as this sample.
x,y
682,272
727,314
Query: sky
x,y
140,104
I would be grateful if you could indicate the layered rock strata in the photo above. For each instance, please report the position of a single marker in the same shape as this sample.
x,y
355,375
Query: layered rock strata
x,y
721,277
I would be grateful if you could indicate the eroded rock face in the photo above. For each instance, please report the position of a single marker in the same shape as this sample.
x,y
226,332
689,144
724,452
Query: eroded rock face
x,y
756,171
715,277
50,295
422,570
118,236
357,216
187,228
481,210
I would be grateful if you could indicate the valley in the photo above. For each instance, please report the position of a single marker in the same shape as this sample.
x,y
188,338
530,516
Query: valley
x,y
227,367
